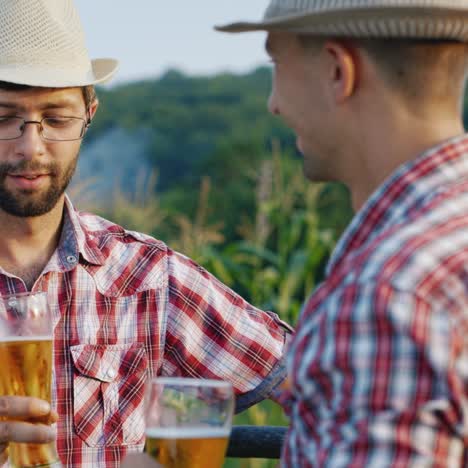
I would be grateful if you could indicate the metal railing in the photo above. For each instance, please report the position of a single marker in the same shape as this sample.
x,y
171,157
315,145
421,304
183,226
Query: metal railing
x,y
256,442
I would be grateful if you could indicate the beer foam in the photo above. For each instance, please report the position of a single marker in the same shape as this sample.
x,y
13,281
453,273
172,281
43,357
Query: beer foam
x,y
187,432
22,339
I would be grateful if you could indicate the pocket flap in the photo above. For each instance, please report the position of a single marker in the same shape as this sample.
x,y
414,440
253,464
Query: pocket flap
x,y
108,362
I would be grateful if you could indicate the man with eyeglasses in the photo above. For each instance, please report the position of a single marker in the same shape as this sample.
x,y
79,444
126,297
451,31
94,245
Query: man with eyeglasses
x,y
126,307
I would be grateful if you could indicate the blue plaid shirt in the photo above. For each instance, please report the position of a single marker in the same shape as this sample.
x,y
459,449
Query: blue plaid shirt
x,y
379,362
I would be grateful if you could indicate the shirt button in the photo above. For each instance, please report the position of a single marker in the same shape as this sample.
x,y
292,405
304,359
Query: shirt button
x,y
71,259
111,373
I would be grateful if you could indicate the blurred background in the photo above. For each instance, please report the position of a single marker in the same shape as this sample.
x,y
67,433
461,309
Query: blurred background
x,y
183,148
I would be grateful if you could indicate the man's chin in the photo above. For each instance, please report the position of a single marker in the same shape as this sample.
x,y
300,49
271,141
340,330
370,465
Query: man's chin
x,y
26,212
30,209
314,174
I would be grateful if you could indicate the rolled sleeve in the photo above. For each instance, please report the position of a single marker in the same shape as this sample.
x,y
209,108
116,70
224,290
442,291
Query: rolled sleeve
x,y
213,333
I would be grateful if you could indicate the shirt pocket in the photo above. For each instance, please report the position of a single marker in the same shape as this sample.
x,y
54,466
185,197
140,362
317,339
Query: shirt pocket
x,y
108,391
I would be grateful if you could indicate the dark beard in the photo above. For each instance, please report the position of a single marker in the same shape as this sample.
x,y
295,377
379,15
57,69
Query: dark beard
x,y
26,205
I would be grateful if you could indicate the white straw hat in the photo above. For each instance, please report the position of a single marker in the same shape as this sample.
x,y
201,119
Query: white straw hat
x,y
419,19
42,44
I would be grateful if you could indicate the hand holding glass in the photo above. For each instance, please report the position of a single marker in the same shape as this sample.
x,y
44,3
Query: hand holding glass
x,y
188,421
26,357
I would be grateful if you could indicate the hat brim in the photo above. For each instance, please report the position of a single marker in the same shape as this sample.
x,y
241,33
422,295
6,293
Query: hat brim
x,y
433,22
102,70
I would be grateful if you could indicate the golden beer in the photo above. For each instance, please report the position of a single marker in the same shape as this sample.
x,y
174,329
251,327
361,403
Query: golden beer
x,y
187,447
26,371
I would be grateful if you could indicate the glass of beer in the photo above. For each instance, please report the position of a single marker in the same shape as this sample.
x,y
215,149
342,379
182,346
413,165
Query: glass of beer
x,y
26,357
188,421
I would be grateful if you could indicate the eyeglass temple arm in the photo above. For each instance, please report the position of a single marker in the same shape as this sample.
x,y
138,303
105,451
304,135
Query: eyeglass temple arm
x,y
88,119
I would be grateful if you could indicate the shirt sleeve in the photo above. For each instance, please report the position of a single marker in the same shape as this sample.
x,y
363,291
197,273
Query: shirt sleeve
x,y
212,332
378,379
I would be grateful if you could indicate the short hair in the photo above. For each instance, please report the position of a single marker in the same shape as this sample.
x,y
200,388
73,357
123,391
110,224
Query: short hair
x,y
419,69
89,92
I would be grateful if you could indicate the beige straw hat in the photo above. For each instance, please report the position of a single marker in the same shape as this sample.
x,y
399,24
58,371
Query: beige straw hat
x,y
424,19
42,44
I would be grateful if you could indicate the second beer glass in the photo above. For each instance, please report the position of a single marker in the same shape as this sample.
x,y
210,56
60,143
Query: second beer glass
x,y
188,422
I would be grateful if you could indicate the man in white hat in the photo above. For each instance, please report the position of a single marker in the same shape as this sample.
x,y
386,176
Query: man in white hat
x,y
379,364
126,307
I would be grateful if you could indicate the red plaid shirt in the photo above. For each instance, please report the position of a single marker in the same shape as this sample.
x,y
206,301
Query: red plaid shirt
x,y
379,364
126,307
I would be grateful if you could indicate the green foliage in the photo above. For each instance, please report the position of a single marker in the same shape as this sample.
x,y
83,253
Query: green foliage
x,y
277,261
189,117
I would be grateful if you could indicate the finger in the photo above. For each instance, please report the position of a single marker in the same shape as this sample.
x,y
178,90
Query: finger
x,y
139,460
20,431
50,418
17,407
53,417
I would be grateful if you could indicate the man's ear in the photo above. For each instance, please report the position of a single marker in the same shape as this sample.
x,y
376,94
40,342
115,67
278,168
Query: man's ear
x,y
341,69
93,108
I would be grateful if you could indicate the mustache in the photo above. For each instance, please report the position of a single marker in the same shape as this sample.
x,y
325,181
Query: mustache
x,y
26,166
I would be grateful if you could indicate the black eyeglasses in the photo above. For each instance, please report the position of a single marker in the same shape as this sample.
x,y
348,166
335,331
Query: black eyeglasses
x,y
50,128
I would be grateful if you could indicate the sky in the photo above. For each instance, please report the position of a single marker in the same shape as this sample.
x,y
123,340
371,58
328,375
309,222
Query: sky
x,y
150,36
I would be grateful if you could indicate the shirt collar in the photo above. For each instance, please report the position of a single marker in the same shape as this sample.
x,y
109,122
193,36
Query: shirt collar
x,y
76,241
409,187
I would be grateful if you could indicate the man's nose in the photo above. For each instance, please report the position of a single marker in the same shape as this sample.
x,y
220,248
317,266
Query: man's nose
x,y
31,143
